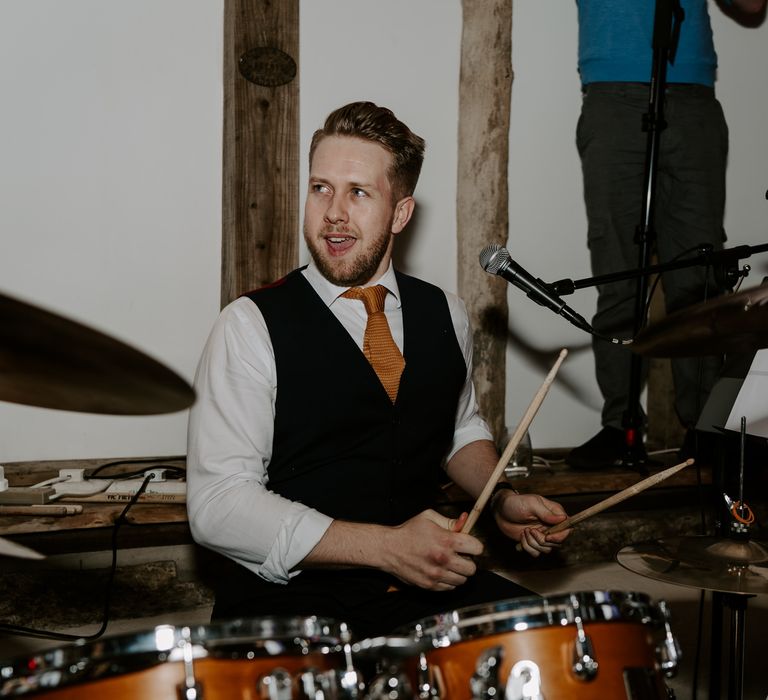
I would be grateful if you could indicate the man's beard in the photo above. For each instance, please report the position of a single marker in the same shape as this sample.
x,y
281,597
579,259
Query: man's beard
x,y
349,273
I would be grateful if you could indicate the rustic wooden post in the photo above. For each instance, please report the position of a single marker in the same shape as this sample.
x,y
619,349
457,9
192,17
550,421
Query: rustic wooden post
x,y
485,89
664,428
261,144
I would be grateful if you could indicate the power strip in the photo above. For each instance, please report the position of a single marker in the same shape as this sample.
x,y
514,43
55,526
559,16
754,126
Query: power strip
x,y
131,486
158,489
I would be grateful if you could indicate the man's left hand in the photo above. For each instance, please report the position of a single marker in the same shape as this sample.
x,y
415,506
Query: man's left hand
x,y
523,517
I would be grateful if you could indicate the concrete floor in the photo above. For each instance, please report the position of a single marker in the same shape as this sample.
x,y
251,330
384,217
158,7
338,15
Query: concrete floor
x,y
683,602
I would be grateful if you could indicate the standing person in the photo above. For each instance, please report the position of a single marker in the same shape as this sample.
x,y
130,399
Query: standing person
x,y
314,474
615,64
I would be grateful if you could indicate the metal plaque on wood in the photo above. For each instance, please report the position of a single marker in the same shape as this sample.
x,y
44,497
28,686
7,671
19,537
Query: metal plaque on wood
x,y
267,66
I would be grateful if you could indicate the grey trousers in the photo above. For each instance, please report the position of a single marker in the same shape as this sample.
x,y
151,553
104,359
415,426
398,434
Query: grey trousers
x,y
689,209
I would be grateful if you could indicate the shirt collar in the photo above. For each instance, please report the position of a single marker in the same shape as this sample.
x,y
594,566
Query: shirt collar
x,y
329,292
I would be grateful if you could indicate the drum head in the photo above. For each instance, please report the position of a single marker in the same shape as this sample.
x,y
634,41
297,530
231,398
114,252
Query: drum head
x,y
519,614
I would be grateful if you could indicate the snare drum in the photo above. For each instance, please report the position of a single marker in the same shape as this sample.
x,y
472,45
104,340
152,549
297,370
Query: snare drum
x,y
271,657
587,645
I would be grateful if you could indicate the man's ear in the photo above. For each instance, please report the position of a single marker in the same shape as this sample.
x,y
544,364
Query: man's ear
x,y
403,212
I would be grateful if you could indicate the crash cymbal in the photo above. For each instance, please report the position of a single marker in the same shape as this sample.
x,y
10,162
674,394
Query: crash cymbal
x,y
52,362
711,563
729,323
11,549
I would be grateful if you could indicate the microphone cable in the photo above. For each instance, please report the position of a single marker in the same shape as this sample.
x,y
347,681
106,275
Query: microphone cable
x,y
62,636
496,260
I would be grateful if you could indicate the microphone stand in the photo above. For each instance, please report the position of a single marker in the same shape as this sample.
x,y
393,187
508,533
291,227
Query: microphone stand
x,y
665,35
723,262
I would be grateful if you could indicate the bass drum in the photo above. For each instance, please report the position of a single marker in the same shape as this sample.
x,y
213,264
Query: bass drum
x,y
587,646
270,657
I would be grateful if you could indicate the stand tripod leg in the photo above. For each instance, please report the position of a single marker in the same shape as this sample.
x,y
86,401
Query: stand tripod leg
x,y
738,605
715,646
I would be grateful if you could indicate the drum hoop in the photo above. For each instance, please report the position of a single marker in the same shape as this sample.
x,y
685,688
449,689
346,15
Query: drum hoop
x,y
233,639
520,614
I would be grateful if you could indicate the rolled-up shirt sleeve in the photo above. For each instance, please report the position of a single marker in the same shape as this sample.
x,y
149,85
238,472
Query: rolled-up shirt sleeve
x,y
470,425
229,446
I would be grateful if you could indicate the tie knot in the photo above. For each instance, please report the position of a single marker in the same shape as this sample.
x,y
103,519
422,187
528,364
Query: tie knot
x,y
372,297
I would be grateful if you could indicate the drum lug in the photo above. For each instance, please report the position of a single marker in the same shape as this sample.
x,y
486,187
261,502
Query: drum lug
x,y
390,685
314,684
524,682
277,685
669,652
349,681
350,684
485,680
190,689
584,663
427,689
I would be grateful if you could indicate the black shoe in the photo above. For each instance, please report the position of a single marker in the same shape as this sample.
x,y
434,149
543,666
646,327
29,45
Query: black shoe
x,y
604,450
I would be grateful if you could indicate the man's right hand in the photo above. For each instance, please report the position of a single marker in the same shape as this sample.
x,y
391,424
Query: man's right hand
x,y
425,551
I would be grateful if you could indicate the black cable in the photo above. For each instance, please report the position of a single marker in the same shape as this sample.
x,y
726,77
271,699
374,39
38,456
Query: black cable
x,y
177,473
658,279
614,341
47,634
144,460
646,311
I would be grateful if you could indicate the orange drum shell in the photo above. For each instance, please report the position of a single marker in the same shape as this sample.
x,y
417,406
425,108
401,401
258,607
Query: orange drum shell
x,y
616,645
221,679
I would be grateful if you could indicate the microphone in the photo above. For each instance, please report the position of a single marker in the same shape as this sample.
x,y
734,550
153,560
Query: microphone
x,y
495,259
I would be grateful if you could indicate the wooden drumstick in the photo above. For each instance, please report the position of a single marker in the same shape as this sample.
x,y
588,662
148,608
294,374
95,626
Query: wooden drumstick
x,y
514,441
41,510
617,498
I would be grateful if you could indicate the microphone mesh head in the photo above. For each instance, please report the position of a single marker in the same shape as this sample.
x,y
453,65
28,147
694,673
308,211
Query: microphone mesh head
x,y
493,257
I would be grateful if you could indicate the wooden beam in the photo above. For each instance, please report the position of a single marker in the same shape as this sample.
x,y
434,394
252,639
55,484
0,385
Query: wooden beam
x,y
261,144
485,89
664,428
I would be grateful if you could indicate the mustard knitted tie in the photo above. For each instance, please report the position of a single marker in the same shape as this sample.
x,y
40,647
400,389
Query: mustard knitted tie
x,y
378,345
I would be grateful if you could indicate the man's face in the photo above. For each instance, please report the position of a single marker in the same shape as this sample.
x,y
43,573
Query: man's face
x,y
349,217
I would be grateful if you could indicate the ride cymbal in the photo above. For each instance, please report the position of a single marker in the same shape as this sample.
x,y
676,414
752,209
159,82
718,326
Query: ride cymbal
x,y
52,362
712,563
729,323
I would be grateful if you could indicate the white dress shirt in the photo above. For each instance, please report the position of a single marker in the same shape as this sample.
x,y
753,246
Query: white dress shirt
x,y
230,506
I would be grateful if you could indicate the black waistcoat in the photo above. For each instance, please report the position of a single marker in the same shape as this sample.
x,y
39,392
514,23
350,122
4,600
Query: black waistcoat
x,y
340,445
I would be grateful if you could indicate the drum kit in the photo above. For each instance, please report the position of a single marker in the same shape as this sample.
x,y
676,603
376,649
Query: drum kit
x,y
585,645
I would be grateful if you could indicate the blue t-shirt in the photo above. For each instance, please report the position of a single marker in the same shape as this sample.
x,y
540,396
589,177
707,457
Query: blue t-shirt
x,y
616,42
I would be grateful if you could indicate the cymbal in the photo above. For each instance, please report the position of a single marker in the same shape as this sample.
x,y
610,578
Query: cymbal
x,y
49,361
11,549
711,563
729,323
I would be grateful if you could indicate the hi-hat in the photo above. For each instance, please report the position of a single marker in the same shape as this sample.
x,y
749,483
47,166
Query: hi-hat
x,y
52,362
714,564
729,323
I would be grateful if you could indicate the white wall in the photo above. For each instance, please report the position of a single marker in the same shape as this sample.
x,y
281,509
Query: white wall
x,y
110,193
404,55
110,178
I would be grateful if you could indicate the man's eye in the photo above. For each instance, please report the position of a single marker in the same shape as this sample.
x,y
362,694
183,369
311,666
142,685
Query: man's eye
x,y
357,192
320,188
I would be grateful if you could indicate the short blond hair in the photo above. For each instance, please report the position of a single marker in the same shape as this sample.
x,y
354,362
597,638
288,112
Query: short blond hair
x,y
367,121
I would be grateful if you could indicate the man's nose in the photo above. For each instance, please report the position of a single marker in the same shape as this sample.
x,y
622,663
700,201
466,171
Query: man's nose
x,y
336,211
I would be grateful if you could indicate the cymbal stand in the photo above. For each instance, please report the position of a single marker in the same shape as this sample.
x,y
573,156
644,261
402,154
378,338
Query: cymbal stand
x,y
741,518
